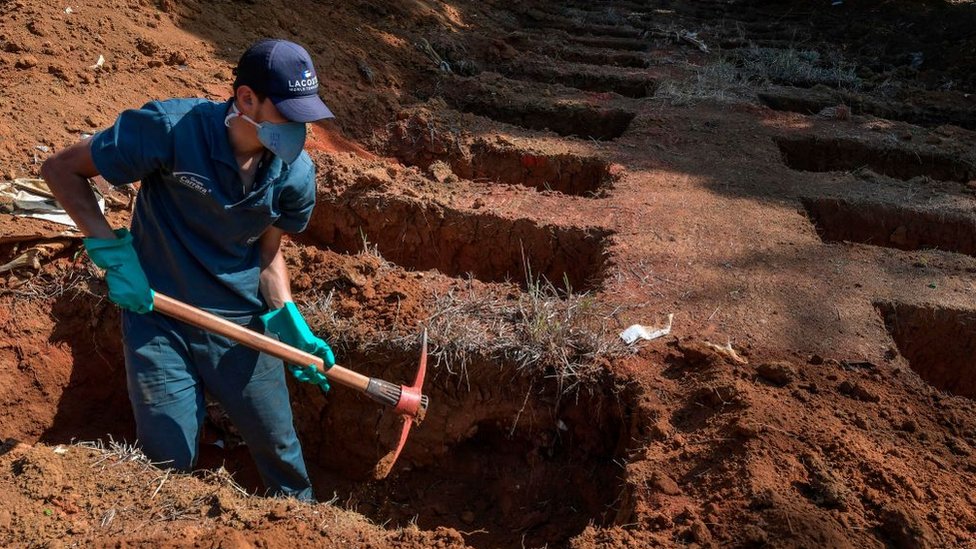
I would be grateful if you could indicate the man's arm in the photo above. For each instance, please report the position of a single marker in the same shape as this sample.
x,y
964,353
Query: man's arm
x,y
274,282
67,173
284,318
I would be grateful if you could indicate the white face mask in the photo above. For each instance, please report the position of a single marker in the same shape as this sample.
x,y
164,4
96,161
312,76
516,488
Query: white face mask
x,y
285,140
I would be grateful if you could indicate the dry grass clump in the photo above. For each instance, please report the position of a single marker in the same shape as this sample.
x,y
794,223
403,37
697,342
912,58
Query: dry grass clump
x,y
565,335
793,67
719,80
738,76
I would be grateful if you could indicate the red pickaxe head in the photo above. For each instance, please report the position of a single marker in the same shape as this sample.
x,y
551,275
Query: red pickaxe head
x,y
409,402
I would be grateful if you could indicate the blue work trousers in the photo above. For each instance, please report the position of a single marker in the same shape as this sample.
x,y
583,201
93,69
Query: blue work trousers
x,y
168,366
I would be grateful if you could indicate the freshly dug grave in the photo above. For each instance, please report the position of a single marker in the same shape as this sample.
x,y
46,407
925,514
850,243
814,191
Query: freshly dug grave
x,y
938,343
513,454
823,155
893,226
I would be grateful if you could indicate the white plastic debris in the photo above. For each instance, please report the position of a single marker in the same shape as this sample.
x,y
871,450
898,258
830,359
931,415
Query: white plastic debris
x,y
43,148
33,198
637,331
60,450
727,351
98,64
692,38
68,10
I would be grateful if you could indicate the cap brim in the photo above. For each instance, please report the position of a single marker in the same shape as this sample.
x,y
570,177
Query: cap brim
x,y
307,108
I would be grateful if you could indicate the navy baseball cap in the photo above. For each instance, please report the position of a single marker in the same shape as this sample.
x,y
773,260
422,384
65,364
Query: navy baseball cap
x,y
283,71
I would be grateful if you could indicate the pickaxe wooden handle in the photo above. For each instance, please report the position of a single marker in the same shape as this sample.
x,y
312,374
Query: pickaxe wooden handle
x,y
408,401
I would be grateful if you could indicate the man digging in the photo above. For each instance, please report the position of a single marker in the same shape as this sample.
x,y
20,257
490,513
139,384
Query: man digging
x,y
221,184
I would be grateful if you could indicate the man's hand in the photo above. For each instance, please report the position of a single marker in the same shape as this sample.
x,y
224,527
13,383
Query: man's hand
x,y
290,327
127,284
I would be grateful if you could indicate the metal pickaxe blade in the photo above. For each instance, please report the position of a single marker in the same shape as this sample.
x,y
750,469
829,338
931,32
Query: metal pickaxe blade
x,y
412,407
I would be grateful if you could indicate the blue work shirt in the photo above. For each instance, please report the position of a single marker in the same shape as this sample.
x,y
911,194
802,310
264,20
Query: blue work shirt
x,y
195,227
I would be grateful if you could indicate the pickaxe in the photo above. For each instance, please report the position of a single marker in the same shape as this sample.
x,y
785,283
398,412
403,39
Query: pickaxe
x,y
408,401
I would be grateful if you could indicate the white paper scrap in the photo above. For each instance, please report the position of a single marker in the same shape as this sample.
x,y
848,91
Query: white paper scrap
x,y
637,331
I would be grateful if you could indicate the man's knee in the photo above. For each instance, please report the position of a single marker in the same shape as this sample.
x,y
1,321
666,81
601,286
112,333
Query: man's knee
x,y
167,442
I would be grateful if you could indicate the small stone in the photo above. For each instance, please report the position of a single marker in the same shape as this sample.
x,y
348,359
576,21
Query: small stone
x,y
754,536
958,447
661,482
858,391
353,276
279,512
177,58
659,521
825,489
26,62
909,426
816,360
699,533
777,373
905,529
60,73
36,29
146,47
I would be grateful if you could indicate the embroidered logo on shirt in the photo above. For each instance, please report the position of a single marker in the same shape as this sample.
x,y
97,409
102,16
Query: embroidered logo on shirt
x,y
193,181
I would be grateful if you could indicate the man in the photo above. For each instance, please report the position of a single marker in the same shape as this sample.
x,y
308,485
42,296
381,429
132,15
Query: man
x,y
221,184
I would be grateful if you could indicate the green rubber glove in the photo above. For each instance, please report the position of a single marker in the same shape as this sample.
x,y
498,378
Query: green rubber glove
x,y
127,284
290,327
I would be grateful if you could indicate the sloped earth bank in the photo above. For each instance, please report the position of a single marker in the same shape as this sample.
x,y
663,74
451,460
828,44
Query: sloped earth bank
x,y
559,184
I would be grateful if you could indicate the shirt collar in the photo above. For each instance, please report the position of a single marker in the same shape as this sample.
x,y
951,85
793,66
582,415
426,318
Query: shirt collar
x,y
221,151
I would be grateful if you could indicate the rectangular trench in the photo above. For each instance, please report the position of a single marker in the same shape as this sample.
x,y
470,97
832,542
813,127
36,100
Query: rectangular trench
x,y
813,154
589,79
629,44
580,54
572,174
567,119
939,343
891,225
490,248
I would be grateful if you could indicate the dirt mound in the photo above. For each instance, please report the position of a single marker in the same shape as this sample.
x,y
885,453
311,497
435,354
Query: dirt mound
x,y
53,494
